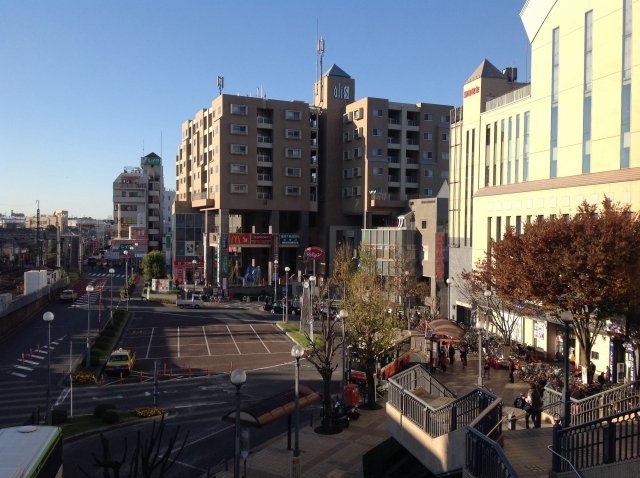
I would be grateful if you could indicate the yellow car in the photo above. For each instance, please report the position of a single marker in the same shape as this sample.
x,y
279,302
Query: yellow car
x,y
120,361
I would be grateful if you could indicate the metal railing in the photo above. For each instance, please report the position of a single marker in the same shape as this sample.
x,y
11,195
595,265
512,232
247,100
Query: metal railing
x,y
121,185
510,97
411,141
24,300
615,438
393,141
393,121
394,159
619,399
485,458
264,139
264,120
263,158
264,177
442,420
411,123
393,179
263,195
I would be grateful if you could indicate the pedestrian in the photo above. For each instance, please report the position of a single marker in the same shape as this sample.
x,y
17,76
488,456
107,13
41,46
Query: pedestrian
x,y
463,354
452,352
542,382
534,404
607,374
511,366
592,369
443,359
487,367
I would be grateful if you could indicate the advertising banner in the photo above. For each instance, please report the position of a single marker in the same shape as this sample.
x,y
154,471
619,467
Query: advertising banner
x,y
137,232
128,220
189,248
225,241
261,238
239,239
290,239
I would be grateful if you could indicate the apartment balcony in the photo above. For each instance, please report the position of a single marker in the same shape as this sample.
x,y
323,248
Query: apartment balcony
x,y
412,125
412,144
153,219
122,185
264,122
154,194
411,181
130,199
154,244
264,160
411,163
393,181
154,206
314,142
264,180
314,160
201,199
386,200
265,141
393,143
394,124
313,124
154,231
264,196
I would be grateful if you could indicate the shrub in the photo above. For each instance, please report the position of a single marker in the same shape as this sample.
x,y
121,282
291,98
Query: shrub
x,y
149,412
98,412
112,326
111,416
108,333
83,377
102,343
58,417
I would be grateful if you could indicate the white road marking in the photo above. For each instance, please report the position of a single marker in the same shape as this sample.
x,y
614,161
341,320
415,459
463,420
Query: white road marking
x,y
178,342
62,397
254,331
150,339
21,375
205,340
30,362
208,436
234,340
37,356
23,368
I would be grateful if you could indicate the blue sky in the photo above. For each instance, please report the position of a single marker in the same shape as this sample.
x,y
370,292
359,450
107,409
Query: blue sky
x,y
84,83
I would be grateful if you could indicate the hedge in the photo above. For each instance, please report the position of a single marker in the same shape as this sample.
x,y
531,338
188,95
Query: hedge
x,y
109,417
98,412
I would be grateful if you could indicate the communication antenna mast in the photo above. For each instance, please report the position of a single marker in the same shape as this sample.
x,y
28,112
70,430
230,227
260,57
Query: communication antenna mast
x,y
220,84
320,55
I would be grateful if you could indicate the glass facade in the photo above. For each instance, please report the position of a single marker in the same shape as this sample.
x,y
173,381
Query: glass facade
x,y
586,108
625,131
553,147
188,239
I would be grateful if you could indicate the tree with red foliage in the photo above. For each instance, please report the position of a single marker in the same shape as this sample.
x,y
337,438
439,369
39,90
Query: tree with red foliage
x,y
587,264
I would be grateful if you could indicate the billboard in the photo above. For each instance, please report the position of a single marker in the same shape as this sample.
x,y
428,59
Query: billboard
x,y
137,232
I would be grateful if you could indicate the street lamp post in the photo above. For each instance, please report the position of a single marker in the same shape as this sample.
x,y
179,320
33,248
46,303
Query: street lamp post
x,y
449,281
194,262
297,352
126,275
135,257
567,318
406,311
275,279
111,272
89,291
286,294
343,316
238,377
487,294
48,318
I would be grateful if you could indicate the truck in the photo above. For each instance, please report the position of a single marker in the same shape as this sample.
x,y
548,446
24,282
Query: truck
x,y
194,302
120,361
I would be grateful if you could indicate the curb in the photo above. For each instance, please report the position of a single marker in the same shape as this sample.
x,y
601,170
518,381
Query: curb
x,y
287,334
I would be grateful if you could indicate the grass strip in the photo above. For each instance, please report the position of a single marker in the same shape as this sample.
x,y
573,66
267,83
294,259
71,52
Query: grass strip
x,y
87,423
294,331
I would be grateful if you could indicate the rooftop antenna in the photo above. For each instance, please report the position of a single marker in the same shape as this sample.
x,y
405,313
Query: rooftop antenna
x,y
220,84
320,54
143,147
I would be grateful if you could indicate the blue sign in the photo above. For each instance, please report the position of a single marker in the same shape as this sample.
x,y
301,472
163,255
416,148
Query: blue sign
x,y
225,241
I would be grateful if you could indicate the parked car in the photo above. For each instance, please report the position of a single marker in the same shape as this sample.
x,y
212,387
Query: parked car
x,y
68,296
277,307
120,361
194,302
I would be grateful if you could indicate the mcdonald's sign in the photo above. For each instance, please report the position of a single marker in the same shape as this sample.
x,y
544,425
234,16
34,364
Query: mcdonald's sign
x,y
239,239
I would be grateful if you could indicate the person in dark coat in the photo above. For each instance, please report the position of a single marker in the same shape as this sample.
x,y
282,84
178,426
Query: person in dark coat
x,y
511,366
443,359
534,401
452,352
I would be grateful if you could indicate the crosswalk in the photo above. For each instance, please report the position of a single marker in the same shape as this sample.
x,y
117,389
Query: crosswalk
x,y
32,359
105,274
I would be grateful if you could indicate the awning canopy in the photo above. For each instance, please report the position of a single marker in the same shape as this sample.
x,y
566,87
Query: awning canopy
x,y
273,408
447,328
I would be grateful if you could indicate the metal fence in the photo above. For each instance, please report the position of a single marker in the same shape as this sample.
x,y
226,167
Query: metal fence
x,y
33,296
435,421
615,438
619,399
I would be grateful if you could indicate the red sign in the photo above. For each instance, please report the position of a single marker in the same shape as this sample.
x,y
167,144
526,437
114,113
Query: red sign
x,y
314,253
472,91
260,238
240,239
188,264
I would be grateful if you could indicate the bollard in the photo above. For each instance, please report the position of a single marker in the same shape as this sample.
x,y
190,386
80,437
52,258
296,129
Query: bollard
x,y
189,371
165,370
207,371
231,367
170,374
141,376
102,380
120,378
22,359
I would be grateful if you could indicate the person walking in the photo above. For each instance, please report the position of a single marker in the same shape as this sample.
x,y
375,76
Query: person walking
x,y
443,359
534,404
487,368
463,354
452,353
511,366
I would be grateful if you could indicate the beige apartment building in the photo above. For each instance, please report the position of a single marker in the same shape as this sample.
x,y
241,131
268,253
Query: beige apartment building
x,y
272,177
522,151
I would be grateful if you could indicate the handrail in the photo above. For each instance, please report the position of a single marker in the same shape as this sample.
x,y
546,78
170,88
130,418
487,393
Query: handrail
x,y
550,448
485,458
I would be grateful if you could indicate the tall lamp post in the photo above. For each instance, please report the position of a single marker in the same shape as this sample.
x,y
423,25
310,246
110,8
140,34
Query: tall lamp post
x,y
238,377
111,272
135,257
297,352
89,291
275,279
48,318
407,312
566,317
126,275
480,327
286,294
344,315
449,281
194,262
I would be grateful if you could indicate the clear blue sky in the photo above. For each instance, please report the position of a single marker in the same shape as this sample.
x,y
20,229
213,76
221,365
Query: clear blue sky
x,y
84,83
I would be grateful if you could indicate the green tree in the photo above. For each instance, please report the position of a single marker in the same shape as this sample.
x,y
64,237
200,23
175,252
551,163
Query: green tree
x,y
371,329
153,265
587,264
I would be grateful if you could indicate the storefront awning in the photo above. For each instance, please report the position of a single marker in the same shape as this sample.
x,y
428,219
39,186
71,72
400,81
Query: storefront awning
x,y
444,327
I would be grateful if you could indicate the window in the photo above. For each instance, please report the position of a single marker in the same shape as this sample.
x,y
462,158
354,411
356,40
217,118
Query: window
x,y
428,192
345,155
238,149
445,119
292,115
356,172
625,120
345,192
356,191
427,136
293,153
498,228
357,133
238,109
238,188
424,225
292,191
377,112
378,171
346,173
377,151
428,117
377,132
445,136
238,129
238,169
427,155
346,137
525,153
444,174
518,225
428,173
555,68
293,172
356,152
293,134
445,156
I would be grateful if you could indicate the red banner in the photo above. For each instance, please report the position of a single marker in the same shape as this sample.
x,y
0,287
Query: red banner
x,y
260,238
239,239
